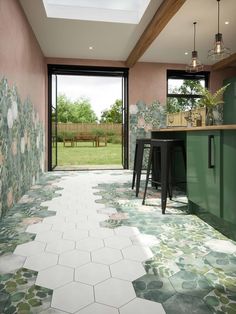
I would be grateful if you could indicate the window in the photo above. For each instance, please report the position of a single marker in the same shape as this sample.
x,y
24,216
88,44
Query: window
x,y
183,89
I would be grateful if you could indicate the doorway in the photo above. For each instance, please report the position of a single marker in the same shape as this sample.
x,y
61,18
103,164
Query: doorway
x,y
84,131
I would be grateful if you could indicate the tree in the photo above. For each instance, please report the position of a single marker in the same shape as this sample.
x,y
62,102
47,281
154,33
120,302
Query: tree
x,y
75,112
189,87
114,114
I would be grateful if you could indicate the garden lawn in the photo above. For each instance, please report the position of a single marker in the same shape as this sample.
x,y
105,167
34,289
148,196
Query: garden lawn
x,y
87,154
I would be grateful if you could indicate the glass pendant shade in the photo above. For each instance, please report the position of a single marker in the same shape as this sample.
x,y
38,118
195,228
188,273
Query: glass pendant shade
x,y
195,64
219,51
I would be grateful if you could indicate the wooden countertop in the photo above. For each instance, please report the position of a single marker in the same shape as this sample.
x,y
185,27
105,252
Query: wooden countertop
x,y
199,128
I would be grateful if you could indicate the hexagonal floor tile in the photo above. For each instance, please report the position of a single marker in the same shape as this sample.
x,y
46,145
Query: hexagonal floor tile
x,y
106,256
127,231
66,226
117,242
11,262
185,304
145,240
87,225
60,246
55,277
114,292
96,308
101,233
77,218
140,306
222,246
75,234
39,227
52,311
224,261
127,270
153,288
92,273
41,261
97,217
30,248
54,220
72,297
137,253
48,236
74,258
191,283
89,244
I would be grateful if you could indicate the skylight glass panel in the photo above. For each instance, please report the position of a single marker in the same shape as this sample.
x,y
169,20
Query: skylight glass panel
x,y
116,11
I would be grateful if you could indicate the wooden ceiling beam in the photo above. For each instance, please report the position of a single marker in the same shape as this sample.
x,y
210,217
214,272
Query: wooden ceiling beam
x,y
163,15
225,63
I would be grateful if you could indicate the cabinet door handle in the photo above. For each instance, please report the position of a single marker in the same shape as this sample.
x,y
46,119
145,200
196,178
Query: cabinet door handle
x,y
211,157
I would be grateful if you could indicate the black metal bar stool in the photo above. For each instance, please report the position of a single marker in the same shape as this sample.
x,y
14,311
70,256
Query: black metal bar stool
x,y
141,144
166,148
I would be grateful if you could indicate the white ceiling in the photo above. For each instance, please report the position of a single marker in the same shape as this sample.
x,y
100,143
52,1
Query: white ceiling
x,y
114,41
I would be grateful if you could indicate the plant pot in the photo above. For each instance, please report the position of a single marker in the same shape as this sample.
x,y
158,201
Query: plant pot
x,y
210,116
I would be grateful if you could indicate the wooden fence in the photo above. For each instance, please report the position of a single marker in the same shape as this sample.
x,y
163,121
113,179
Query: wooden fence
x,y
116,128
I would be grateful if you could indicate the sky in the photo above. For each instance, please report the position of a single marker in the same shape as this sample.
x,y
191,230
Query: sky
x,y
101,91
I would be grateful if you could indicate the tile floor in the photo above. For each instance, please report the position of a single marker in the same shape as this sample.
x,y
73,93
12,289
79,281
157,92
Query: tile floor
x,y
82,243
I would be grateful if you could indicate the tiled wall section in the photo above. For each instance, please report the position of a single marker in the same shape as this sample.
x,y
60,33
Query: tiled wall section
x,y
21,146
144,118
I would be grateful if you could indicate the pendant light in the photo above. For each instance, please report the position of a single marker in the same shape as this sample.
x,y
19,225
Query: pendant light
x,y
195,64
219,51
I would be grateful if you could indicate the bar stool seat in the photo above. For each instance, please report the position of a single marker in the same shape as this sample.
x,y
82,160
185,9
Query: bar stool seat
x,y
165,148
141,144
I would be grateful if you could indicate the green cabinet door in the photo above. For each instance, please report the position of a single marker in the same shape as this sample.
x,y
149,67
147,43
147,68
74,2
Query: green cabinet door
x,y
204,170
229,176
229,107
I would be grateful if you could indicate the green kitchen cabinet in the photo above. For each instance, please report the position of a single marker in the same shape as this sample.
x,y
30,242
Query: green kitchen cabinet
x,y
204,170
229,107
229,176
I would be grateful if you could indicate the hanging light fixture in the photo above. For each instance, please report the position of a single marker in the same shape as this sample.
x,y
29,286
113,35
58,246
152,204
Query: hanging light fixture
x,y
195,64
219,51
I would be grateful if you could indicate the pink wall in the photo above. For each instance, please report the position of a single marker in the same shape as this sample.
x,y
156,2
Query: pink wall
x,y
147,81
21,59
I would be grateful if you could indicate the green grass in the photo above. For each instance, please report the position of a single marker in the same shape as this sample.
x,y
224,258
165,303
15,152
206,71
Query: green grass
x,y
87,154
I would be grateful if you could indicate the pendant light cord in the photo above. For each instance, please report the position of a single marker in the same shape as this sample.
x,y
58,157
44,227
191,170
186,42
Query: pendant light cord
x,y
218,16
194,34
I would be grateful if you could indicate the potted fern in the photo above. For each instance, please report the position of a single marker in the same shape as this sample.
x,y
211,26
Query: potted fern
x,y
213,104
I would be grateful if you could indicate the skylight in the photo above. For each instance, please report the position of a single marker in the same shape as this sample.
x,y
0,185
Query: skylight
x,y
116,11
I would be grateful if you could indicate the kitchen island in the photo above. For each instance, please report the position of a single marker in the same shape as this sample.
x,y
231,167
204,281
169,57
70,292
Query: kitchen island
x,y
210,173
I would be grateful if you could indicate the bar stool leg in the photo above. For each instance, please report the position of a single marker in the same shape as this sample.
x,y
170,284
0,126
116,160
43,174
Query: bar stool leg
x,y
139,166
165,163
148,173
135,166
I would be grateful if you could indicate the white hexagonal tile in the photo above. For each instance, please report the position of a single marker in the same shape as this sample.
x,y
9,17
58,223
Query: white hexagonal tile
x,y
74,258
30,248
97,217
96,308
127,231
48,236
54,277
11,262
75,234
127,270
39,227
65,226
101,233
77,218
117,242
60,246
89,244
41,261
53,220
52,311
145,240
72,297
87,225
106,256
140,306
223,246
92,273
107,211
114,292
137,253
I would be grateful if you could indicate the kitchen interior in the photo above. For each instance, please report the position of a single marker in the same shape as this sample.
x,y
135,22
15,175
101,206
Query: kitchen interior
x,y
95,241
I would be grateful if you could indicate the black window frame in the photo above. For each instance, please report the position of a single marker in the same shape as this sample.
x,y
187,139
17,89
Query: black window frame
x,y
181,75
